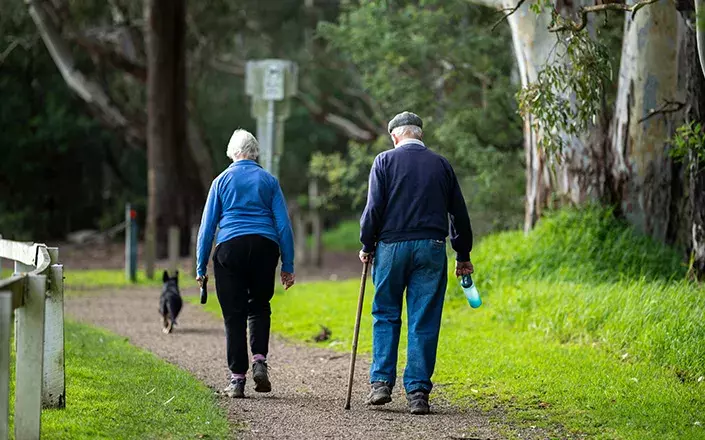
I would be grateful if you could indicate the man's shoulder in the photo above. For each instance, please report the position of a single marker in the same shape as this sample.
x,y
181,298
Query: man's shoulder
x,y
441,159
424,154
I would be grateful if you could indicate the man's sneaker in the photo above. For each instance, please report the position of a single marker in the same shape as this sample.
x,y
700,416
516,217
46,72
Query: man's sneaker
x,y
418,402
261,377
380,394
235,389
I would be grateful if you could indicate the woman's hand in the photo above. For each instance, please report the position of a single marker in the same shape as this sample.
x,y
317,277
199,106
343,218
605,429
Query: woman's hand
x,y
288,279
201,279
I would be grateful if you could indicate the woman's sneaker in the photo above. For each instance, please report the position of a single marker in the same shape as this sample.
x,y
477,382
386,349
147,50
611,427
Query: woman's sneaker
x,y
380,393
235,389
261,377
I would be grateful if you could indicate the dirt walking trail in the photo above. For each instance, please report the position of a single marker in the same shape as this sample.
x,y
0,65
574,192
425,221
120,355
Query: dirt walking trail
x,y
309,383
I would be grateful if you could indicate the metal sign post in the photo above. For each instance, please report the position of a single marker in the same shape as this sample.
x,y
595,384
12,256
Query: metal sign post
x,y
271,84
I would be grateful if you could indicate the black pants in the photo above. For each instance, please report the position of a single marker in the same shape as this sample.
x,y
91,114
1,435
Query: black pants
x,y
244,269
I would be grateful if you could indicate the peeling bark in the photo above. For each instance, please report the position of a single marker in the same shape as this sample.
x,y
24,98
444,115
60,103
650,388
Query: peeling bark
x,y
700,34
697,244
693,232
625,161
579,175
532,47
649,76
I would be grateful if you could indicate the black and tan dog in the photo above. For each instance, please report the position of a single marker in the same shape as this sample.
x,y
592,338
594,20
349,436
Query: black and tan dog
x,y
170,301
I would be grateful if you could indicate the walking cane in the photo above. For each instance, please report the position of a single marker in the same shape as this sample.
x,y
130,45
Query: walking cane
x,y
360,302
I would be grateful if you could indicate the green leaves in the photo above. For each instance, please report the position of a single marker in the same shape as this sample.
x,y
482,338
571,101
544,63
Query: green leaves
x,y
568,92
441,60
689,141
346,175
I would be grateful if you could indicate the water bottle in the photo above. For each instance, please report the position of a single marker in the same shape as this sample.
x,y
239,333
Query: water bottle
x,y
204,290
470,291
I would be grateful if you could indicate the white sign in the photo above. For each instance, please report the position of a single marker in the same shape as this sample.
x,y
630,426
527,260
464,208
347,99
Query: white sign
x,y
274,83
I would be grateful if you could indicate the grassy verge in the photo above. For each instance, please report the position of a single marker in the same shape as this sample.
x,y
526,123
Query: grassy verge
x,y
110,278
117,391
345,237
115,278
585,324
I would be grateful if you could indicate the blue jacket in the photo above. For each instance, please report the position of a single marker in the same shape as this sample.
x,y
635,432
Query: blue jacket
x,y
245,200
412,194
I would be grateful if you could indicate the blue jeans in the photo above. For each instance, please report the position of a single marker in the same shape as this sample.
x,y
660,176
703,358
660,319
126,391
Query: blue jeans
x,y
420,267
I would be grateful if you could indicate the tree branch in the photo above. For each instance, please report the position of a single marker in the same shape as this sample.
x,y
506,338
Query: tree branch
x,y
377,112
88,90
667,107
26,43
113,57
233,68
583,12
496,4
509,11
350,128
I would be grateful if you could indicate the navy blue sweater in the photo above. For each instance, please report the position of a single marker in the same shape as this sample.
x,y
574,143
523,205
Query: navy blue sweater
x,y
412,194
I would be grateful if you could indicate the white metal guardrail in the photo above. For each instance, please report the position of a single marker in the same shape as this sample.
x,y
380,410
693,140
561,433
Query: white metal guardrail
x,y
34,294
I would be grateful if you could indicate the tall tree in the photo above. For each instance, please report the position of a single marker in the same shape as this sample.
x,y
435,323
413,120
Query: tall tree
x,y
442,61
629,165
168,192
180,164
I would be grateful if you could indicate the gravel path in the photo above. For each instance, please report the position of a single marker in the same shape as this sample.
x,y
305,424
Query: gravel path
x,y
309,383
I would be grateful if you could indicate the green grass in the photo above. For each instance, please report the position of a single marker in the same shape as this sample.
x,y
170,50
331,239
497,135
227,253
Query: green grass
x,y
115,278
107,278
345,237
117,391
110,278
585,324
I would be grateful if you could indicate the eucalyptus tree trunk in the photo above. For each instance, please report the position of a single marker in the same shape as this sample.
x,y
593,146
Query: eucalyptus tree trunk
x,y
660,84
580,174
625,161
532,47
645,182
695,95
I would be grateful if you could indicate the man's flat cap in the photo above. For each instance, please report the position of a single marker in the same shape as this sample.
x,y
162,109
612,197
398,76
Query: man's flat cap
x,y
404,118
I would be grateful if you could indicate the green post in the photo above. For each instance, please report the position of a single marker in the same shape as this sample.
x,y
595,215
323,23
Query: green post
x,y
130,244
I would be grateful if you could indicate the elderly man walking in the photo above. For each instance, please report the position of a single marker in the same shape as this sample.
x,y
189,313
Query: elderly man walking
x,y
412,194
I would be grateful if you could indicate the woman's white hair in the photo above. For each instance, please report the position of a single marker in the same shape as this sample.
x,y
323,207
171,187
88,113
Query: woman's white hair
x,y
408,131
242,145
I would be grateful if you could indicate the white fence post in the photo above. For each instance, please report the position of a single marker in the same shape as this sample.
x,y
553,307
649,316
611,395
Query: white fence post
x,y
29,360
36,292
54,389
5,335
20,268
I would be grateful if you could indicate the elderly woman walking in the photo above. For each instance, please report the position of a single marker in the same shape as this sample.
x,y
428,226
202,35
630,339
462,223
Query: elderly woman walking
x,y
247,205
